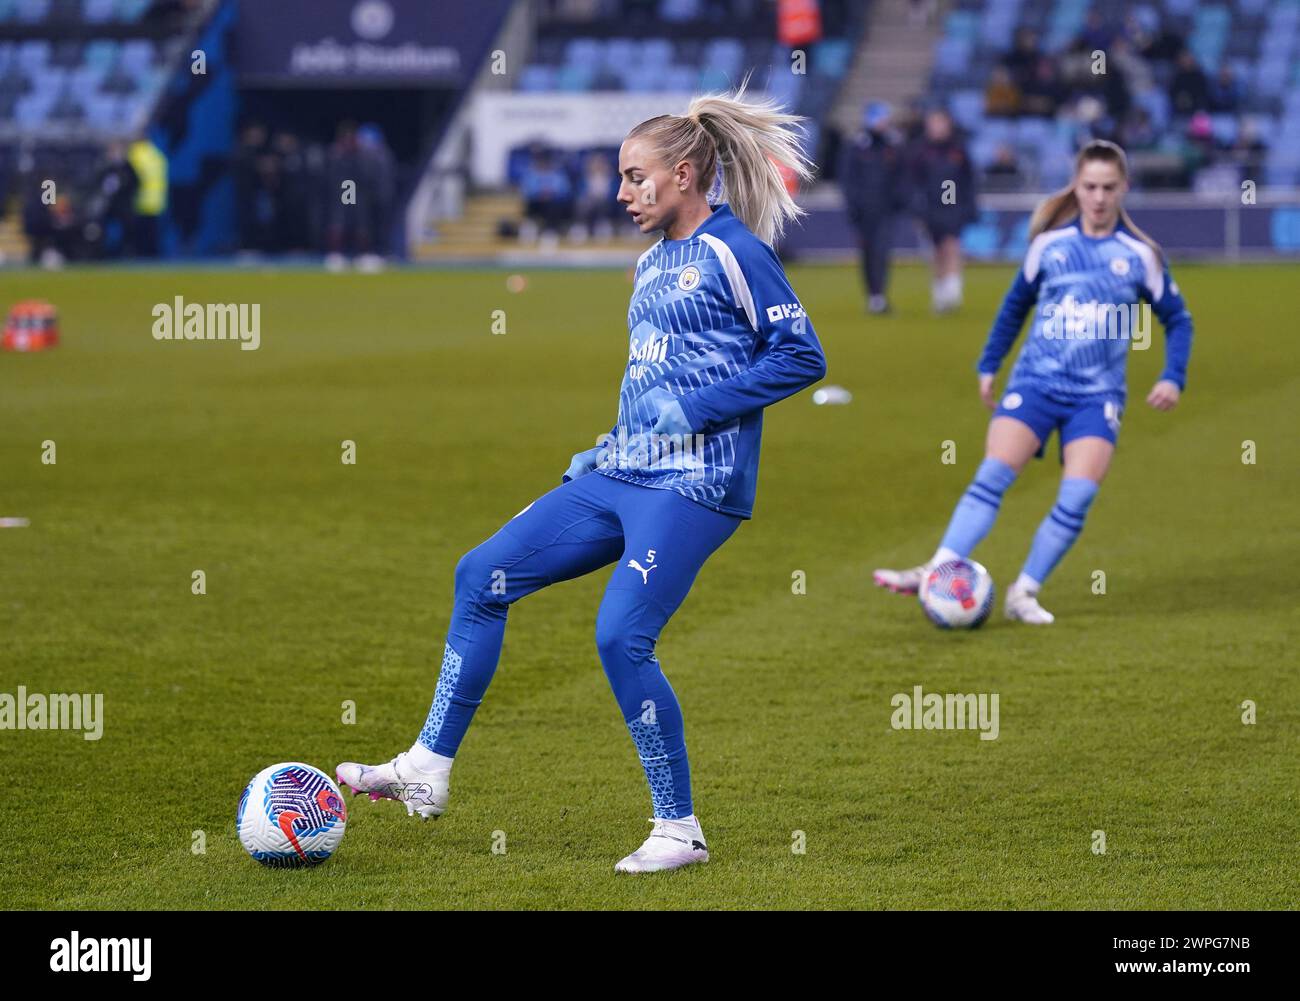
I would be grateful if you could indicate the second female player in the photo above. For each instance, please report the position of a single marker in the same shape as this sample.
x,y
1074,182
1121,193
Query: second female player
x,y
1086,274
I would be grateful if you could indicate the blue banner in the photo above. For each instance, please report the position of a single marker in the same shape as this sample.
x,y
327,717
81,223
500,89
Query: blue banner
x,y
364,43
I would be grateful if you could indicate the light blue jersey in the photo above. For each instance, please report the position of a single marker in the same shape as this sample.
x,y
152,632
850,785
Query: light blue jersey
x,y
714,324
1091,298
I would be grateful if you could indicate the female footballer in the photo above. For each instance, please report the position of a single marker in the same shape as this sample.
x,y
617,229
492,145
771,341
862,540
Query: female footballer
x,y
1087,268
717,334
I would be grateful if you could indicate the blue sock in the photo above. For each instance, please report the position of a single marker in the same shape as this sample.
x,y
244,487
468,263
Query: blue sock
x,y
1060,528
978,508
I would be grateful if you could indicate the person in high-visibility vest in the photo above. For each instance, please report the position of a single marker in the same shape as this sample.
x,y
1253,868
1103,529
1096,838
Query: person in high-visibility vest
x,y
150,166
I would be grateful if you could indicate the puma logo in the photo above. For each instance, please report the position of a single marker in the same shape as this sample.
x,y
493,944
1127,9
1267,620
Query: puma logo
x,y
697,846
645,571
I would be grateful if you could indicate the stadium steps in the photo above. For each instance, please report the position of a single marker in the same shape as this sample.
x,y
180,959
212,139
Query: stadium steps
x,y
13,244
475,232
474,237
893,65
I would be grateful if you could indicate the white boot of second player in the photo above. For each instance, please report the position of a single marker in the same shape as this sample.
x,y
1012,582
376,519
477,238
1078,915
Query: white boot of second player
x,y
671,845
424,792
901,581
1022,605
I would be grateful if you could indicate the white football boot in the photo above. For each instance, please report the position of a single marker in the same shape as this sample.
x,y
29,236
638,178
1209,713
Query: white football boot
x,y
901,581
671,845
1022,605
423,793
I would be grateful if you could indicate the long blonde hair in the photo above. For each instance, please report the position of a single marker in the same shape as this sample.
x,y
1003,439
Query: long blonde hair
x,y
1061,206
749,139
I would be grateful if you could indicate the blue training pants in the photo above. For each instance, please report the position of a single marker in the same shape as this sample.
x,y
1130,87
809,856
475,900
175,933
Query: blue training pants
x,y
659,540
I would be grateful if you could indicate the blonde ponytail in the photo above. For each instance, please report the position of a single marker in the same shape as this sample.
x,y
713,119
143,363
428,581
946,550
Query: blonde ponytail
x,y
749,139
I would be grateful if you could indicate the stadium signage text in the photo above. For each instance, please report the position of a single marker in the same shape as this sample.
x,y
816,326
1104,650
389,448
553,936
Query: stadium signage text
x,y
330,58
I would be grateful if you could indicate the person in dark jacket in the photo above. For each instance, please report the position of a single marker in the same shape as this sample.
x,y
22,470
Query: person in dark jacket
x,y
943,196
871,179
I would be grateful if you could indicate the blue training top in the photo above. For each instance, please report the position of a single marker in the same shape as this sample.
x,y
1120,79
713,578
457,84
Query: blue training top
x,y
713,322
1089,293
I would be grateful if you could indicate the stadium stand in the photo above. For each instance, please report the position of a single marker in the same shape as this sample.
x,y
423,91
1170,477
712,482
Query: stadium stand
x,y
1193,90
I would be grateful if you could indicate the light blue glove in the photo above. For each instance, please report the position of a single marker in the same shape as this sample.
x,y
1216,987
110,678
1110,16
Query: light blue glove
x,y
672,419
584,462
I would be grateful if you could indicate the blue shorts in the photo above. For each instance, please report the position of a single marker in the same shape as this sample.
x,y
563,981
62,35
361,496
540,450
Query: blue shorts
x,y
1089,417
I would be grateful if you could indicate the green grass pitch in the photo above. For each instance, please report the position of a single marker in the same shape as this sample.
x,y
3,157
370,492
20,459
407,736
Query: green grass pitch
x,y
328,582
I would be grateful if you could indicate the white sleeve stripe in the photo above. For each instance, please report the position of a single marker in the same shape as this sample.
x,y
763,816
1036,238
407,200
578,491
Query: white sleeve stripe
x,y
739,287
1034,257
1155,279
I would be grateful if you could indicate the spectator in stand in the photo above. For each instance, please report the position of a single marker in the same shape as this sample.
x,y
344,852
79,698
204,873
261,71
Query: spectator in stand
x,y
943,196
871,173
1248,149
1043,94
1022,61
1140,132
350,229
1001,96
1189,91
1163,47
1136,70
597,202
1003,174
375,190
1224,91
150,166
53,235
1096,33
293,192
548,195
1201,145
253,203
113,201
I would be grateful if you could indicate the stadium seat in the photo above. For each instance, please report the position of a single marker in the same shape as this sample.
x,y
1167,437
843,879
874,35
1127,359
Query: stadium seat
x,y
583,52
680,80
831,57
131,11
32,11
537,79
620,54
951,57
679,10
644,79
575,78
724,55
714,79
98,11
31,112
102,53
33,55
967,108
137,54
656,52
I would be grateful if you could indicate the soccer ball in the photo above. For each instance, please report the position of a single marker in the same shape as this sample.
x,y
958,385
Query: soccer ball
x,y
291,815
957,594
